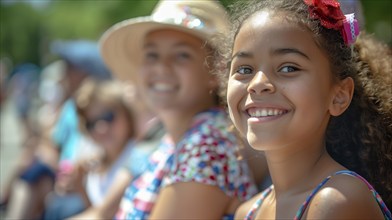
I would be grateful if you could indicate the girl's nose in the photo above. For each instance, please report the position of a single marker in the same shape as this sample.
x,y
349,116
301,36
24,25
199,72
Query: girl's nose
x,y
164,67
260,83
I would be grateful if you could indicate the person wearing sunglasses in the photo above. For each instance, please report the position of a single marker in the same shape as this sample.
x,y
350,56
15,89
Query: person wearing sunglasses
x,y
112,110
109,121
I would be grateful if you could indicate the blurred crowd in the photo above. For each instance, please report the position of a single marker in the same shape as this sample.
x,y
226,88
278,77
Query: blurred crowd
x,y
79,126
45,102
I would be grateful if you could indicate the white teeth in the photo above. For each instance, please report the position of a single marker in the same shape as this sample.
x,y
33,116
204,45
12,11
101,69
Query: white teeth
x,y
163,87
265,112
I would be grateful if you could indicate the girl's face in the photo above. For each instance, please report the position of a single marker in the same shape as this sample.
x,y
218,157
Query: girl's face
x,y
108,126
173,72
280,84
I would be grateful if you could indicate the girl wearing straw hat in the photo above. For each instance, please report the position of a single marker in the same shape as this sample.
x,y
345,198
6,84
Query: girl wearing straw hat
x,y
195,173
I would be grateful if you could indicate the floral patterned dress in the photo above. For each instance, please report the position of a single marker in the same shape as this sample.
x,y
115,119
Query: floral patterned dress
x,y
207,154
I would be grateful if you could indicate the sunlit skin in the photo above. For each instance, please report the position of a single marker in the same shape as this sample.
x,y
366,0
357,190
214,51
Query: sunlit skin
x,y
175,78
281,95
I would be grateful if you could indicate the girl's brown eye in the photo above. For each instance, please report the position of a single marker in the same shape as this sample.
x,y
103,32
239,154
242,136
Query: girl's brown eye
x,y
244,70
151,56
287,69
183,56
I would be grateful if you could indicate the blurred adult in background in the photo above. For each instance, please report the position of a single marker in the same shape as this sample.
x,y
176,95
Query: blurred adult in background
x,y
52,92
23,85
82,61
22,91
60,139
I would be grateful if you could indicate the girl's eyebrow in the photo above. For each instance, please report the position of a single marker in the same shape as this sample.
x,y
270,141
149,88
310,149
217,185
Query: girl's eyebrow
x,y
148,45
282,51
186,45
278,51
242,54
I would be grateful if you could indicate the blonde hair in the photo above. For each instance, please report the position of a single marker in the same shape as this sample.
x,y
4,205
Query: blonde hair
x,y
107,92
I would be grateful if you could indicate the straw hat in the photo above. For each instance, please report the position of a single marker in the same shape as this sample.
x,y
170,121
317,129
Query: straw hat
x,y
121,44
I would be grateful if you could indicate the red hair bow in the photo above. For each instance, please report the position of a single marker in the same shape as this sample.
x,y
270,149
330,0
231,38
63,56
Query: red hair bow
x,y
328,12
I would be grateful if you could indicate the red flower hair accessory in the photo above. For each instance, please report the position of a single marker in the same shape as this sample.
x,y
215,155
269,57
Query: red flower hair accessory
x,y
327,11
332,17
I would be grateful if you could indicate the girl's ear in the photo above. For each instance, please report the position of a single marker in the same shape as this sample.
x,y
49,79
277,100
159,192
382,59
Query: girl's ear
x,y
342,97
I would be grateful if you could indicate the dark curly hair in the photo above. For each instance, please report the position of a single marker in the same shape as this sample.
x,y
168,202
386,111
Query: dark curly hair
x,y
361,138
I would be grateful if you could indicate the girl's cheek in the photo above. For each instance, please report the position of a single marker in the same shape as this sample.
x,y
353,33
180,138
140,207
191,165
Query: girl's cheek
x,y
234,97
235,88
229,95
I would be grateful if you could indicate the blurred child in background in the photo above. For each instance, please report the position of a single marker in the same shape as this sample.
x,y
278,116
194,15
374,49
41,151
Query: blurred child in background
x,y
195,172
109,121
103,106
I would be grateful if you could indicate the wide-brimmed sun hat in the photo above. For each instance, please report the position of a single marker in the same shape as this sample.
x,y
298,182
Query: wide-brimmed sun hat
x,y
122,43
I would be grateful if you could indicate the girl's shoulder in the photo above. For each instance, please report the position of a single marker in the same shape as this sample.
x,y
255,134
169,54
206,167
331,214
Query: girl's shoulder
x,y
245,207
344,196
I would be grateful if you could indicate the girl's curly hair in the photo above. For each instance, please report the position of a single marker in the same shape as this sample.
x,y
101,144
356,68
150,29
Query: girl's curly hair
x,y
361,138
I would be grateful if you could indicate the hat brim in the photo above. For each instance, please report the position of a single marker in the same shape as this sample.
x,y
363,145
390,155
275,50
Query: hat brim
x,y
121,45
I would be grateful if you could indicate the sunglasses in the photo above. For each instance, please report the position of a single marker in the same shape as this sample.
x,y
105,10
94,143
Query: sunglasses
x,y
107,117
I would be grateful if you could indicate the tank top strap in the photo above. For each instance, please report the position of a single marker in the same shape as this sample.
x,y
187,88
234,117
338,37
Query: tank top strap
x,y
257,204
384,208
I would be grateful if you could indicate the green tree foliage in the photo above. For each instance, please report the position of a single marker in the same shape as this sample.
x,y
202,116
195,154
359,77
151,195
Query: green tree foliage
x,y
378,15
19,32
27,30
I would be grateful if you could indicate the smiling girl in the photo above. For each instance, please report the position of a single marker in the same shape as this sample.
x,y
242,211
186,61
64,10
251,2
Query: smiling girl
x,y
317,104
195,173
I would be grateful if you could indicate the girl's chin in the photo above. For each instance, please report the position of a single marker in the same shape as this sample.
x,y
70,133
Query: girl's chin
x,y
259,145
259,148
110,145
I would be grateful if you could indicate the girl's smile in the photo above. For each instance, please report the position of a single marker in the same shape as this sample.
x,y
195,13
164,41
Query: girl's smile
x,y
162,87
264,114
173,71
